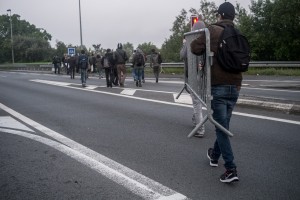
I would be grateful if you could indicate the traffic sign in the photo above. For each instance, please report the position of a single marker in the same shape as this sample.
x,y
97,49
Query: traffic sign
x,y
71,51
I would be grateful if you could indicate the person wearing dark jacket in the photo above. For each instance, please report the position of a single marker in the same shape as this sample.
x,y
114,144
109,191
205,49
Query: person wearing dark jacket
x,y
225,87
56,62
138,63
107,62
72,64
121,58
83,62
155,62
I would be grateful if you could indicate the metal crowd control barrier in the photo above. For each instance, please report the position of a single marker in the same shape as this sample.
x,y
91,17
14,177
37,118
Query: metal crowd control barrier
x,y
199,79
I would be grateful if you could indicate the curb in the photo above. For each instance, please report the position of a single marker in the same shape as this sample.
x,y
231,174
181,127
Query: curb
x,y
285,107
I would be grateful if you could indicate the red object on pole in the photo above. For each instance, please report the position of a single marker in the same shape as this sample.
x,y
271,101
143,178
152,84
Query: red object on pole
x,y
194,19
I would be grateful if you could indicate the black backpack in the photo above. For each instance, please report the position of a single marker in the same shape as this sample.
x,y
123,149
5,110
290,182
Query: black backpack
x,y
83,61
233,51
140,59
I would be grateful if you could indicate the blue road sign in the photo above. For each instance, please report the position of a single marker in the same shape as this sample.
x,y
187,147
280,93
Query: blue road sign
x,y
71,51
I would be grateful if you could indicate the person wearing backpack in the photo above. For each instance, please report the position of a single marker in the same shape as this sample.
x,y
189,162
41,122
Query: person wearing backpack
x,y
225,87
83,62
107,62
155,62
121,57
138,65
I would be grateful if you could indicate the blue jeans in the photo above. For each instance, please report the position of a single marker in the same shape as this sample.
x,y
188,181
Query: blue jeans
x,y
224,100
143,73
138,73
83,75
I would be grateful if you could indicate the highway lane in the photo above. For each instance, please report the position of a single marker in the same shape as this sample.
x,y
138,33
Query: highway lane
x,y
148,137
283,88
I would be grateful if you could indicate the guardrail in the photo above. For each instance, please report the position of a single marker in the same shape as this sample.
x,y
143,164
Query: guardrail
x,y
289,64
49,66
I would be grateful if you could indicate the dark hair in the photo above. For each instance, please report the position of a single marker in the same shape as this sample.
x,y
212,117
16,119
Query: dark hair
x,y
152,50
108,50
82,51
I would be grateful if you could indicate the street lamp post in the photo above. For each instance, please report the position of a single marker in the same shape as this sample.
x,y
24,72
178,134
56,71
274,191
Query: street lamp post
x,y
80,25
11,36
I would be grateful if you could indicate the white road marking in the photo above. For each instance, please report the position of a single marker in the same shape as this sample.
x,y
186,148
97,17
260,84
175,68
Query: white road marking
x,y
182,105
133,181
9,122
269,89
128,92
279,81
91,87
267,118
183,98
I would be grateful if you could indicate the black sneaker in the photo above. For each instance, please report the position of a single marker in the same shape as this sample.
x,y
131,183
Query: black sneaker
x,y
229,176
212,162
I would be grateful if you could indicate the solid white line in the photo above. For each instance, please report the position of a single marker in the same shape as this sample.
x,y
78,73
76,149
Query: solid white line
x,y
268,89
182,105
267,118
135,182
280,81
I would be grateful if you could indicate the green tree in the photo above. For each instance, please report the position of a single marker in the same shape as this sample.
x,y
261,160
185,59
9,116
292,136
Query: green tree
x,y
272,28
29,49
97,48
171,47
146,47
206,11
27,38
128,48
61,48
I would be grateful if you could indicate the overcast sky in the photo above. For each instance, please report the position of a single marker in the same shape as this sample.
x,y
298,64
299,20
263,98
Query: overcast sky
x,y
105,22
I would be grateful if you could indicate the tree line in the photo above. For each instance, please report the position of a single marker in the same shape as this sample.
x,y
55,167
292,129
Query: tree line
x,y
271,26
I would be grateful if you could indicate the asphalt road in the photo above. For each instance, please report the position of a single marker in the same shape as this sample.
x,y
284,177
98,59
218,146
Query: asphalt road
x,y
60,141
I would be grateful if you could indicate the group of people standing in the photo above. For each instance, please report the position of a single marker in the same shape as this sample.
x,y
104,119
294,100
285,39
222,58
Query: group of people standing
x,y
112,63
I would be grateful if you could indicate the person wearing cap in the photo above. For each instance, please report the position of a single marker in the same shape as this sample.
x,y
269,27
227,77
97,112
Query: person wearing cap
x,y
197,106
225,87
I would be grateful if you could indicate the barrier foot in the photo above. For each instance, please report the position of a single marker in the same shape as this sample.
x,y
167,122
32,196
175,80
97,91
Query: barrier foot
x,y
193,132
184,88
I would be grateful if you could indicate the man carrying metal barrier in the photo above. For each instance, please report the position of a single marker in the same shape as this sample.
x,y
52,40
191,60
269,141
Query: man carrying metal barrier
x,y
225,86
